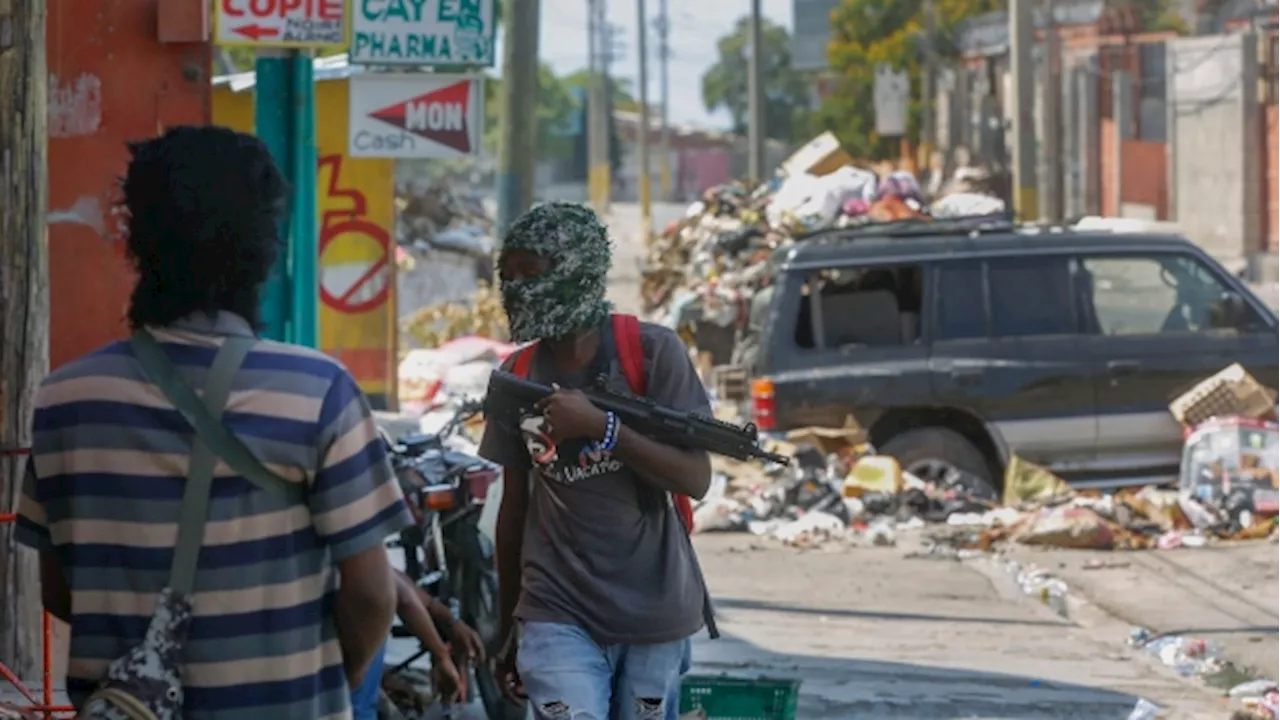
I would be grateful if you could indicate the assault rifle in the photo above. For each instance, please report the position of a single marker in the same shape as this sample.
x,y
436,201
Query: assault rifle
x,y
508,396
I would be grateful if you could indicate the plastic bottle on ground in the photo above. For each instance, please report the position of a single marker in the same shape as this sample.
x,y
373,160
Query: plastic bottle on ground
x,y
1145,710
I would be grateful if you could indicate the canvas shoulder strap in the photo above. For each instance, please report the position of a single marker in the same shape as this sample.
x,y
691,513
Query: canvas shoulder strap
x,y
195,496
162,373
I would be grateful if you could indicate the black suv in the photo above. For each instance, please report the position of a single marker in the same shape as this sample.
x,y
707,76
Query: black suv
x,y
957,343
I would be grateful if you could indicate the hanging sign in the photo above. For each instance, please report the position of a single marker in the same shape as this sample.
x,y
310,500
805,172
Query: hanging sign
x,y
891,92
416,116
281,23
423,32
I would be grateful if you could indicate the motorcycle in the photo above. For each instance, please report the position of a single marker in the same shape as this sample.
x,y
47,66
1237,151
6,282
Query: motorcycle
x,y
444,551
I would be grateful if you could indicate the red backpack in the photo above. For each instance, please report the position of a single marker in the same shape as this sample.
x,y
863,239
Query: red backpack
x,y
626,335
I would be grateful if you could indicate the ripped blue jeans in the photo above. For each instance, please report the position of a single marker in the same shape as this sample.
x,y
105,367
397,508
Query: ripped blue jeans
x,y
569,676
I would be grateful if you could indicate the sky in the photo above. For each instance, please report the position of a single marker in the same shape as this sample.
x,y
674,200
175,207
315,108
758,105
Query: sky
x,y
695,27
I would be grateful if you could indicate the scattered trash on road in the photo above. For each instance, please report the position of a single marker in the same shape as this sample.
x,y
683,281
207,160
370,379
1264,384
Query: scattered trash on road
x,y
1145,710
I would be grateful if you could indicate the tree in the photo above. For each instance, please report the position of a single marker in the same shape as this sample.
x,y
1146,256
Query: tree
x,y
24,311
623,99
865,33
555,112
786,91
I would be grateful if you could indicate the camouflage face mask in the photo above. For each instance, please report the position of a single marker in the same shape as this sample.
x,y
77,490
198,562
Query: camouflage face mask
x,y
570,295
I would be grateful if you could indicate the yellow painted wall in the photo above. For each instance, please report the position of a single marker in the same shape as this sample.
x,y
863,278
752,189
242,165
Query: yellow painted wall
x,y
357,222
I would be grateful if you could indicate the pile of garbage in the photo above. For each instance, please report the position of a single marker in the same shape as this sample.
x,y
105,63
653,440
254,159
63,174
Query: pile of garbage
x,y
437,215
704,267
480,315
839,488
835,489
452,372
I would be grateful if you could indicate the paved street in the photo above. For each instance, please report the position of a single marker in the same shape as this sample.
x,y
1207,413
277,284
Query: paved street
x,y
874,634
1224,594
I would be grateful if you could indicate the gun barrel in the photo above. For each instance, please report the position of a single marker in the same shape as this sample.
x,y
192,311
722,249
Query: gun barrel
x,y
507,392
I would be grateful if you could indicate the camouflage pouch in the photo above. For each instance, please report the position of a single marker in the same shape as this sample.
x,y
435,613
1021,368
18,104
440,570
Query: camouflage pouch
x,y
146,683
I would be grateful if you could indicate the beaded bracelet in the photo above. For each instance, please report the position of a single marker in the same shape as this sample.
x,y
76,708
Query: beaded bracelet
x,y
611,426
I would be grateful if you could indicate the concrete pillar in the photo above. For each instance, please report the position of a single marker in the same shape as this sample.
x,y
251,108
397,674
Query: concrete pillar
x,y
1122,112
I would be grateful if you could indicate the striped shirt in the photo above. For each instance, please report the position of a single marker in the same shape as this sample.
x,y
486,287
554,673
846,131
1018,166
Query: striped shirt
x,y
110,458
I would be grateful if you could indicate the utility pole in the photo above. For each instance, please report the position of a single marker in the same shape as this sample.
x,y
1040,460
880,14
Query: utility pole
x,y
24,306
594,102
1021,37
646,182
517,131
928,112
755,97
1051,123
610,50
663,26
600,170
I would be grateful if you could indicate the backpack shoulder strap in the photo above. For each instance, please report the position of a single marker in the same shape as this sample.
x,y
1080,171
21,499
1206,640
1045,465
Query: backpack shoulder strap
x,y
626,334
524,360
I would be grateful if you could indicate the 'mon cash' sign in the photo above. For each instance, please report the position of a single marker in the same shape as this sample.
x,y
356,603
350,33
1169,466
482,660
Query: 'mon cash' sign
x,y
423,32
416,116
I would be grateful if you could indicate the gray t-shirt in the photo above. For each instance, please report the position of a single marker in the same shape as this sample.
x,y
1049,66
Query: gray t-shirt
x,y
603,548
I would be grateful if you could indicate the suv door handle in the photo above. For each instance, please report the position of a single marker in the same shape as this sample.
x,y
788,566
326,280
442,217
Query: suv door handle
x,y
1123,367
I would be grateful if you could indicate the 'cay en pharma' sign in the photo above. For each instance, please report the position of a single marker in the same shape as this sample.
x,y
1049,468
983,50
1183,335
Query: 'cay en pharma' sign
x,y
423,32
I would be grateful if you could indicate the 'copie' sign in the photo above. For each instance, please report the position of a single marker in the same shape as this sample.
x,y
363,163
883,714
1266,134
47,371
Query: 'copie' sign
x,y
415,116
281,23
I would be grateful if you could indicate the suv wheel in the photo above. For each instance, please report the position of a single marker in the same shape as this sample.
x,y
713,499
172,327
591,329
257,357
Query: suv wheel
x,y
943,457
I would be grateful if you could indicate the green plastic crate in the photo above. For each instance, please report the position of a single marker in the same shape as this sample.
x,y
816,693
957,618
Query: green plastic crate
x,y
726,698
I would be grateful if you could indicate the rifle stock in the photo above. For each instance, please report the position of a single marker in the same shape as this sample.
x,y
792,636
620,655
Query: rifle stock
x,y
509,395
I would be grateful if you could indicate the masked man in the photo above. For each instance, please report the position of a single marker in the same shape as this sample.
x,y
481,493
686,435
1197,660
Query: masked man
x,y
595,565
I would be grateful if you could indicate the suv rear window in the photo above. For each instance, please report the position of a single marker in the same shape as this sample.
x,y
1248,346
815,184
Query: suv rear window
x,y
873,306
962,314
1030,296
1005,298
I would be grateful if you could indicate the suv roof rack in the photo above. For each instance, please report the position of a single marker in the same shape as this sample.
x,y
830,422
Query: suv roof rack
x,y
916,227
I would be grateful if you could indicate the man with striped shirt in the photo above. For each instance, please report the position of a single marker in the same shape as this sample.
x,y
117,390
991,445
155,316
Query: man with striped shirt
x,y
291,601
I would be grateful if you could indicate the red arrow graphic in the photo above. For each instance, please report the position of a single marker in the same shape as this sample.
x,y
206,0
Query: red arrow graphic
x,y
256,32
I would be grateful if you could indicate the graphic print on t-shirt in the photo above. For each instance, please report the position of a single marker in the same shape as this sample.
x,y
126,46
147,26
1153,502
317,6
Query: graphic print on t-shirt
x,y
591,460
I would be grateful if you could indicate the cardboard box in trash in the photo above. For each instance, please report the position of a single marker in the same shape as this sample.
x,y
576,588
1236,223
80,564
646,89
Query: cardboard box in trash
x,y
831,440
819,156
1231,392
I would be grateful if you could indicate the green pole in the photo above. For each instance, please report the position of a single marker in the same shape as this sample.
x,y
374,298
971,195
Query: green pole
x,y
284,118
303,241
271,125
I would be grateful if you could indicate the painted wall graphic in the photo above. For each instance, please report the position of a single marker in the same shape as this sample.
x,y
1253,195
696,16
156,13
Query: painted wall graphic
x,y
355,267
357,214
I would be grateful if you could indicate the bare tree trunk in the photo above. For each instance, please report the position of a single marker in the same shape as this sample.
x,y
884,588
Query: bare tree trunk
x,y
24,305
